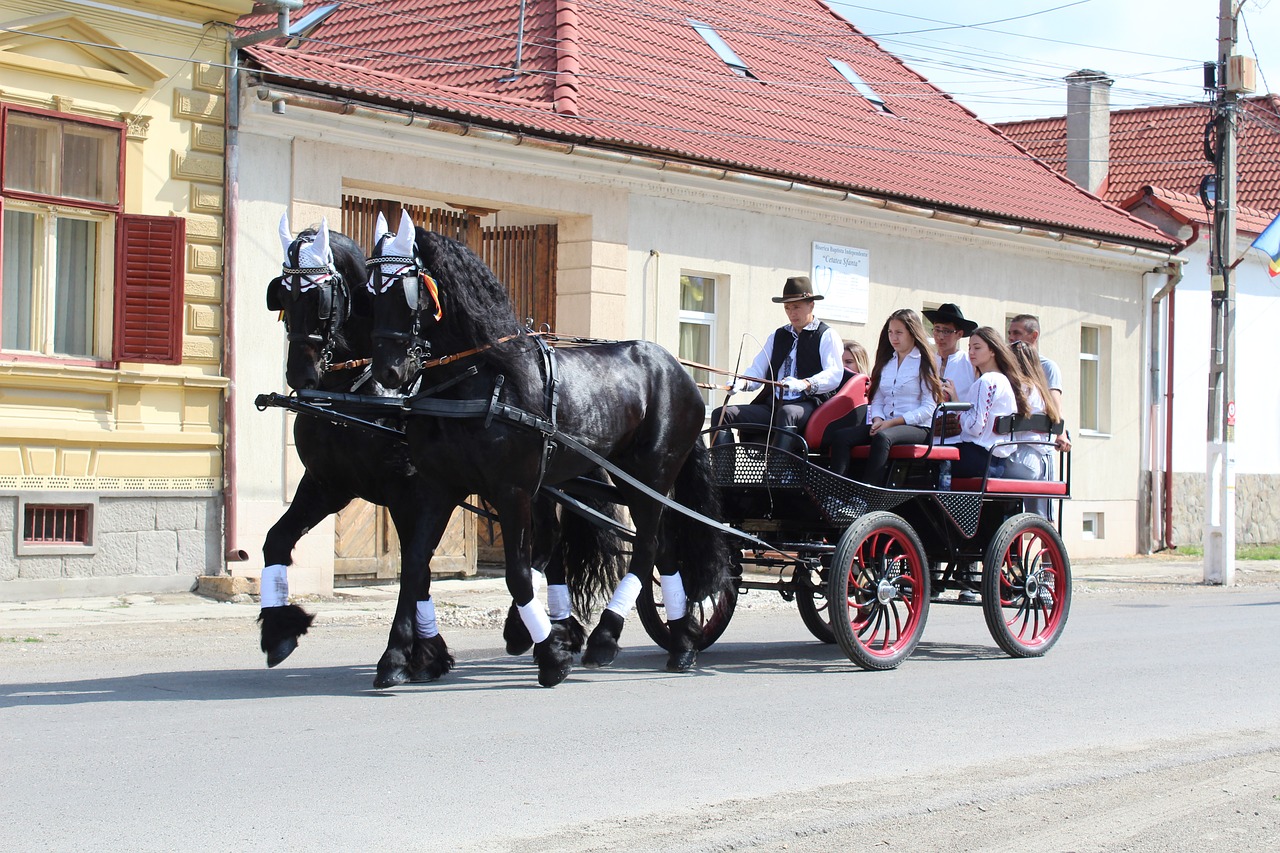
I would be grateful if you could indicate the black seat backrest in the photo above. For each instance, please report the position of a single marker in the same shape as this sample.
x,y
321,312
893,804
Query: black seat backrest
x,y
1039,422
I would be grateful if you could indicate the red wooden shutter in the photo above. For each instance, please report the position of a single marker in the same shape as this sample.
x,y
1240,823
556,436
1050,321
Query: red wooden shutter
x,y
149,280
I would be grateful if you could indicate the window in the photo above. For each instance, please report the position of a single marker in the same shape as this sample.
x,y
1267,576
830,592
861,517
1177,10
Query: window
x,y
721,47
53,526
1091,526
860,86
1093,376
698,324
78,277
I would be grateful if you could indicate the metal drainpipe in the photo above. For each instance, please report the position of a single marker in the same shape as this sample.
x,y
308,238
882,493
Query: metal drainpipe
x,y
1166,475
231,177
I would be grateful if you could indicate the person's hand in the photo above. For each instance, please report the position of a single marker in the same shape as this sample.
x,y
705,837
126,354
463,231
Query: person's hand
x,y
1063,443
949,388
876,425
793,384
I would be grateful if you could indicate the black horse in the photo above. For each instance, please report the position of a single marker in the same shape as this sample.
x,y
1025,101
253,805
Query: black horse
x,y
630,403
327,309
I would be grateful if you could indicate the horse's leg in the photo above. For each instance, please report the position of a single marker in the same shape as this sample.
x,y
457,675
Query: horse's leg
x,y
546,533
432,516
430,657
282,622
549,652
602,645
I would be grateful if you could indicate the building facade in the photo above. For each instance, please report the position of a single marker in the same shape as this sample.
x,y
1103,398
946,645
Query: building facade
x,y
111,380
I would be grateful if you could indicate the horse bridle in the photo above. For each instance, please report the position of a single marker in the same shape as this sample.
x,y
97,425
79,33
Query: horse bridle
x,y
333,295
413,284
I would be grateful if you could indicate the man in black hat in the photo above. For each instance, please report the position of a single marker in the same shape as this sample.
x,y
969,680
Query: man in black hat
x,y
801,358
949,327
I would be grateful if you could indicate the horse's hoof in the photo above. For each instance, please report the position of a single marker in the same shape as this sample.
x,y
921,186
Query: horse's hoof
x,y
430,659
602,645
515,633
390,678
575,634
682,661
281,650
554,662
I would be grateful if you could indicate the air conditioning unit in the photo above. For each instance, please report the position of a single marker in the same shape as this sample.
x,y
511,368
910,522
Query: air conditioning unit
x,y
1242,75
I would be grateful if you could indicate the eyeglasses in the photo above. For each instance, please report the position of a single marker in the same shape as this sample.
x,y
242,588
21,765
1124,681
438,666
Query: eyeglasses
x,y
937,331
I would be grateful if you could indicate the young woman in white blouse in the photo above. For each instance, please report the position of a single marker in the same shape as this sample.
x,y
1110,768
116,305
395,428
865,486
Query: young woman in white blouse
x,y
905,390
1000,389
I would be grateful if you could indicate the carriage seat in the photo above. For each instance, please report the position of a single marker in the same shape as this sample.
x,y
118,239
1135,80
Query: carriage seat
x,y
849,397
936,452
1008,425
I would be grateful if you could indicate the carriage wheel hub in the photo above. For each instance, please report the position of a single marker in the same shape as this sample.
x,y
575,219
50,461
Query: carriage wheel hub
x,y
886,591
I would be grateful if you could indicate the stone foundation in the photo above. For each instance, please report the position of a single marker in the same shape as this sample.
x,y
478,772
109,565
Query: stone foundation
x,y
1257,509
139,543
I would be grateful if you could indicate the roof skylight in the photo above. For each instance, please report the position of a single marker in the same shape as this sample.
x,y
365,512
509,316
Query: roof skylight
x,y
306,22
847,72
721,47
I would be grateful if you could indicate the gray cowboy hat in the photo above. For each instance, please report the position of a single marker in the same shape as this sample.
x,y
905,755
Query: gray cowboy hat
x,y
798,289
949,312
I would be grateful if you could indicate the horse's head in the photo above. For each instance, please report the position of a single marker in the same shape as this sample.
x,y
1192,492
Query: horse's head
x,y
314,298
406,304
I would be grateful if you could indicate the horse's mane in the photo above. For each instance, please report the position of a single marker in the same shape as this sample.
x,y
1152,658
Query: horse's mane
x,y
477,308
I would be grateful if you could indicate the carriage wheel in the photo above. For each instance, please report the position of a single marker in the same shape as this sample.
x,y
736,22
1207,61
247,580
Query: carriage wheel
x,y
711,614
815,610
1026,586
878,591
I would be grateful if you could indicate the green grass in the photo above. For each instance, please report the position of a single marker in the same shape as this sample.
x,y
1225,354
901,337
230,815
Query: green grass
x,y
21,640
1243,552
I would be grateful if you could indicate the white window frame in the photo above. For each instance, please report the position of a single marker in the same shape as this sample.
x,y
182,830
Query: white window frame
x,y
44,277
701,318
1099,395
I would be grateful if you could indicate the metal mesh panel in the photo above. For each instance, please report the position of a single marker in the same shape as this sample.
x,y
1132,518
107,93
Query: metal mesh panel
x,y
963,508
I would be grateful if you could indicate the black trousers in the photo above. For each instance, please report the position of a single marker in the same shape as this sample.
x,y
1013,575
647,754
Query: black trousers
x,y
877,469
787,418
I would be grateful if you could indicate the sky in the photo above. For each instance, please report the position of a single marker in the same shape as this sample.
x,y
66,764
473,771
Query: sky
x,y
1153,49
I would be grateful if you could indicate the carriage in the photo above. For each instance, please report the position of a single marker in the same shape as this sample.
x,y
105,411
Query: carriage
x,y
523,419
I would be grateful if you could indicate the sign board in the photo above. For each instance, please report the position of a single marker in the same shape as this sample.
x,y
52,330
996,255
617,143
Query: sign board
x,y
842,275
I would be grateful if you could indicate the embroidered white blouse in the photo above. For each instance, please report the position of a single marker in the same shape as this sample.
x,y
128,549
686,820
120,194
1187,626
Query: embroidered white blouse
x,y
901,394
992,397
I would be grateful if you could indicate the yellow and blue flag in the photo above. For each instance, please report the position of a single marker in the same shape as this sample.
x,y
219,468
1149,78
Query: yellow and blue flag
x,y
1269,241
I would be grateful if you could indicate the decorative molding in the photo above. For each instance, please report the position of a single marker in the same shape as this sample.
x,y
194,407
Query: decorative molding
x,y
203,288
138,126
206,259
203,320
201,350
206,198
209,78
204,228
210,138
190,166
103,485
198,106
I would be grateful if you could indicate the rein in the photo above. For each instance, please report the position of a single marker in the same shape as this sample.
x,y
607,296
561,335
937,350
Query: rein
x,y
734,373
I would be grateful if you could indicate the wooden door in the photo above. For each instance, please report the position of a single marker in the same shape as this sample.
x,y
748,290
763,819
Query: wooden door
x,y
366,549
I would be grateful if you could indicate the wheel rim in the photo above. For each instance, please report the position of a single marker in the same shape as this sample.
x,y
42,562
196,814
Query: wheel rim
x,y
884,586
1032,588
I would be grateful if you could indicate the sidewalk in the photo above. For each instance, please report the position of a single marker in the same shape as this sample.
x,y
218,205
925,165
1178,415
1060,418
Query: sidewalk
x,y
482,601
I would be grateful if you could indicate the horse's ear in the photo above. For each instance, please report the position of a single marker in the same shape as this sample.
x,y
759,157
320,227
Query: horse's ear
x,y
379,229
320,247
286,236
402,243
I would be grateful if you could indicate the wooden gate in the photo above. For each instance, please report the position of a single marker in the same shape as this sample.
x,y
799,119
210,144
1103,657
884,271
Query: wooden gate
x,y
523,257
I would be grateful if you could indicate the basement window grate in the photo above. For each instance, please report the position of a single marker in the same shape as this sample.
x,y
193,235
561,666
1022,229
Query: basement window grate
x,y
48,524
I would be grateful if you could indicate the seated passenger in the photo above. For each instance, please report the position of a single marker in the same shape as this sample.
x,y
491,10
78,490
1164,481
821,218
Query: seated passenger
x,y
904,392
802,362
1038,457
1000,389
854,358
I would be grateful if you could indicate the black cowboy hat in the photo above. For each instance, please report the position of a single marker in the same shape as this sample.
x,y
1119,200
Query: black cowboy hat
x,y
949,312
798,289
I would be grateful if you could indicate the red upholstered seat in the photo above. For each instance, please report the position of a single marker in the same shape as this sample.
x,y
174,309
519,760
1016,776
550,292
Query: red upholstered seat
x,y
1010,487
940,452
852,394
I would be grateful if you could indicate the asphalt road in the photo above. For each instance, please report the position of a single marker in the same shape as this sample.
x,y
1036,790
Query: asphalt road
x,y
1151,726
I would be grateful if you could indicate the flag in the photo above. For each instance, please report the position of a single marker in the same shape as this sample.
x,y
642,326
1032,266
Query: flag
x,y
1269,242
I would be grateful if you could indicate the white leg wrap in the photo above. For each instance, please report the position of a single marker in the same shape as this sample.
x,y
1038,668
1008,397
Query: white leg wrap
x,y
534,617
539,581
426,621
274,587
624,595
673,597
558,606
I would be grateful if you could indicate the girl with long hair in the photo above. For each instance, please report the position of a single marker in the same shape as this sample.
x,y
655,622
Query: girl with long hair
x,y
904,391
854,357
1000,389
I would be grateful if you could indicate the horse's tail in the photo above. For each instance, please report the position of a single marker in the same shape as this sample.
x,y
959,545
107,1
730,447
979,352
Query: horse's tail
x,y
592,556
699,551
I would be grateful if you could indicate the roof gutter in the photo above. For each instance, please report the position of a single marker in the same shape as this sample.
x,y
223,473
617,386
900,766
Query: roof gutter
x,y
458,128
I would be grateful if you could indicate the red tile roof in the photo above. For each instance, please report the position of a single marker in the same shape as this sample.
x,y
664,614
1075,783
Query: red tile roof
x,y
637,77
1188,208
1164,147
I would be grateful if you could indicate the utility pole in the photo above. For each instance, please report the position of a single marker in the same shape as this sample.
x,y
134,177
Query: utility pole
x,y
1220,524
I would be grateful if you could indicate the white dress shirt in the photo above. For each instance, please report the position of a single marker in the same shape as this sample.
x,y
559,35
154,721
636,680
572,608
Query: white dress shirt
x,y
960,371
992,397
901,394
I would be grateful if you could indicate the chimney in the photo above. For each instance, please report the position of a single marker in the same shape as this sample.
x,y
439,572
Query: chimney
x,y
1088,128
